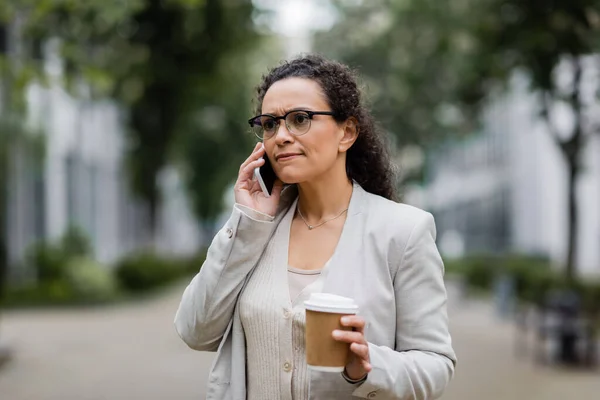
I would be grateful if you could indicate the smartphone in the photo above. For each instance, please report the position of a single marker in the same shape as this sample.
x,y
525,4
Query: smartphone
x,y
265,175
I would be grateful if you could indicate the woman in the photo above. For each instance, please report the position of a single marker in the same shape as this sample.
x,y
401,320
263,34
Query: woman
x,y
334,229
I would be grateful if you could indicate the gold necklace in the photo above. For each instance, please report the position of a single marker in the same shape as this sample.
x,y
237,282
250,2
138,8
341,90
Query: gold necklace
x,y
311,227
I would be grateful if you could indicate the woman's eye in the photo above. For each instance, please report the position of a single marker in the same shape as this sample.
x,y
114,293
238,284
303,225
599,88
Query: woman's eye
x,y
268,125
300,119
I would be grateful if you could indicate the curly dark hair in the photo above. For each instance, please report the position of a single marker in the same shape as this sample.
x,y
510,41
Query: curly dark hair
x,y
368,161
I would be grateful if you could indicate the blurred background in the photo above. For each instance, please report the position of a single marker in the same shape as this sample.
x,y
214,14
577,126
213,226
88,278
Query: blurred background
x,y
123,124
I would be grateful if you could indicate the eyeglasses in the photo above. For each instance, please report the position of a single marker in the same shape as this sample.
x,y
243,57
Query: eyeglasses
x,y
297,122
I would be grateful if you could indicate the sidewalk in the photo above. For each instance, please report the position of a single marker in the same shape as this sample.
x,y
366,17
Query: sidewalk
x,y
132,352
488,367
5,354
123,353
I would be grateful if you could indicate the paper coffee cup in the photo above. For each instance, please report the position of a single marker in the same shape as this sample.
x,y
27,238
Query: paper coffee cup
x,y
323,314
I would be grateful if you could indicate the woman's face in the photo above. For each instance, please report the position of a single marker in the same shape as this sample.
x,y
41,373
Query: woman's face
x,y
298,159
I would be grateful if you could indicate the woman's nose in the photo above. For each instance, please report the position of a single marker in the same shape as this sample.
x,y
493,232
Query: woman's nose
x,y
283,135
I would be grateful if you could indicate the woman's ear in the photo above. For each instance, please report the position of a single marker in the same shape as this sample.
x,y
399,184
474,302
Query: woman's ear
x,y
350,134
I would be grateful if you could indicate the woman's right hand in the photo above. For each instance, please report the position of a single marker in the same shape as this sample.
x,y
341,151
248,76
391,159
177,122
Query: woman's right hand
x,y
247,189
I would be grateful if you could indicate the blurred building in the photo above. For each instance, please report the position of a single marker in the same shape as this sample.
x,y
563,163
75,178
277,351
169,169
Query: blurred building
x,y
505,189
80,179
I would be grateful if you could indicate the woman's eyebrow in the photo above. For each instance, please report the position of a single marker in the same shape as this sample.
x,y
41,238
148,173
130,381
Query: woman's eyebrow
x,y
305,108
286,110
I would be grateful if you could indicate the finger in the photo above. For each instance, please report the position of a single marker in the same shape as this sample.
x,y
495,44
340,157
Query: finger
x,y
367,366
354,321
361,350
349,336
257,152
254,186
247,172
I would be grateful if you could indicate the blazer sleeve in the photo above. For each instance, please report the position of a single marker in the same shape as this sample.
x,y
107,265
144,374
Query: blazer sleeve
x,y
208,302
422,363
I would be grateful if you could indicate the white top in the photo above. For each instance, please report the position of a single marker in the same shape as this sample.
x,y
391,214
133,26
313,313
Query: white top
x,y
298,279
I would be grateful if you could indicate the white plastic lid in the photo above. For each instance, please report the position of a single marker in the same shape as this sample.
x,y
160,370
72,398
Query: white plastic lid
x,y
326,302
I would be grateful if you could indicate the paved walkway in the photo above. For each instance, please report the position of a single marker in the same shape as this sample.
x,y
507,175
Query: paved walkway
x,y
132,352
489,370
123,353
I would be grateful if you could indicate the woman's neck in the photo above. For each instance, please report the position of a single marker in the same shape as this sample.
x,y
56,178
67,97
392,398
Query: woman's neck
x,y
324,197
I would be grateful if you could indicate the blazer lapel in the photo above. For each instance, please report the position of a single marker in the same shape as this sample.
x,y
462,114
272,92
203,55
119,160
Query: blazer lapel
x,y
280,257
337,280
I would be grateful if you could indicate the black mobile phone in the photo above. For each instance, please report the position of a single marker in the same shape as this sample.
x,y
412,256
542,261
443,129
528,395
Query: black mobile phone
x,y
266,176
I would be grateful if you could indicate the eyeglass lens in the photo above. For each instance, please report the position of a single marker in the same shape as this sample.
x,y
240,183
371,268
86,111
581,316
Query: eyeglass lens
x,y
297,123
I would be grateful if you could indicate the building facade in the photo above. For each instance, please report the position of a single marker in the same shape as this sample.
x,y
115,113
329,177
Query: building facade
x,y
505,189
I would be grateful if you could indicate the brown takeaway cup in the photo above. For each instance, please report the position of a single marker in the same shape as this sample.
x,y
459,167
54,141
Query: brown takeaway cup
x,y
323,314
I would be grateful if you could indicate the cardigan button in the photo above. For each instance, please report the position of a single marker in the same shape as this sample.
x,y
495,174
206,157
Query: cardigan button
x,y
229,232
372,395
287,367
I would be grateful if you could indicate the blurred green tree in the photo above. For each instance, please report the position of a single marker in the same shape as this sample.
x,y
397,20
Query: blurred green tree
x,y
170,63
431,66
13,78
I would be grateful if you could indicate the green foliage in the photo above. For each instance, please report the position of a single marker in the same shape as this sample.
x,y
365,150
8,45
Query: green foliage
x,y
430,64
536,36
80,280
89,281
411,57
75,243
64,274
50,260
145,271
590,292
533,277
479,271
165,62
191,266
56,292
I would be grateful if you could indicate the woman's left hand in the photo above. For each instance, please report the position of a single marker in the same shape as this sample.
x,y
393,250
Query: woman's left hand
x,y
359,364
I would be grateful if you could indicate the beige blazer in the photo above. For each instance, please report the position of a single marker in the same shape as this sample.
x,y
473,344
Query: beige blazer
x,y
386,260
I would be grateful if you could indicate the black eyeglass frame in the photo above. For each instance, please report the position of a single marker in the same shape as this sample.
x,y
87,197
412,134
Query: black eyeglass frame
x,y
310,114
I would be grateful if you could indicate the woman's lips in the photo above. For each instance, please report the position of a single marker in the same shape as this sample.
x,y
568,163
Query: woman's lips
x,y
287,157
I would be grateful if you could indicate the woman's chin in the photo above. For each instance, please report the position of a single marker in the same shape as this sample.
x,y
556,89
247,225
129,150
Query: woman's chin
x,y
290,179
291,175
